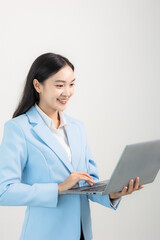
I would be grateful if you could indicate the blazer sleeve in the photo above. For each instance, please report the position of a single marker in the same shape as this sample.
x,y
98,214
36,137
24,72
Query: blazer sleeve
x,y
92,170
13,158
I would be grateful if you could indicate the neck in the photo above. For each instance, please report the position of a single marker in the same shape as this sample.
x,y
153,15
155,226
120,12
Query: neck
x,y
54,116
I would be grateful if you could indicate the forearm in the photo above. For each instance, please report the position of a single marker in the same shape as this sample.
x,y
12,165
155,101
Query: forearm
x,y
19,194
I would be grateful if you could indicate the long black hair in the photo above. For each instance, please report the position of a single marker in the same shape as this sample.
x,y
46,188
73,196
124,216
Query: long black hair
x,y
42,68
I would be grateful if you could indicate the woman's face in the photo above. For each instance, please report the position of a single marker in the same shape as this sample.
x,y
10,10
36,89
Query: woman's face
x,y
55,91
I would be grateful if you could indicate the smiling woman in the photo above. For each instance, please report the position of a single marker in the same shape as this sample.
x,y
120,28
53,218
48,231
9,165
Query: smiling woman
x,y
53,98
41,86
44,151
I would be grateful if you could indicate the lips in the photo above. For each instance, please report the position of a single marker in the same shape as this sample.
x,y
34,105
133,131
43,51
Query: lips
x,y
63,101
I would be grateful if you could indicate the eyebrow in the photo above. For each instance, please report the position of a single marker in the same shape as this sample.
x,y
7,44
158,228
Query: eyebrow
x,y
64,81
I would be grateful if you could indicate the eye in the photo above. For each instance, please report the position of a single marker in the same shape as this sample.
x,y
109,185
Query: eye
x,y
62,85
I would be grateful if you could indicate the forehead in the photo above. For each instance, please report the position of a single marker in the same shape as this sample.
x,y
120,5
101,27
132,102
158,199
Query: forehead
x,y
65,74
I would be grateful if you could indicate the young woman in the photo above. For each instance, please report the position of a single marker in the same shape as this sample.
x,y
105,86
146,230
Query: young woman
x,y
45,151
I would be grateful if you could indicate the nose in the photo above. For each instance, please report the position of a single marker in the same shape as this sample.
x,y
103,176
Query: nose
x,y
66,92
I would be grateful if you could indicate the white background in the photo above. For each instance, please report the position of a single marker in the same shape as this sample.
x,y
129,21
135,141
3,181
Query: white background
x,y
114,46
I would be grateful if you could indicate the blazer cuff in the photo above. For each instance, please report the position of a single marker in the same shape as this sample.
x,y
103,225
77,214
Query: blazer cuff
x,y
114,202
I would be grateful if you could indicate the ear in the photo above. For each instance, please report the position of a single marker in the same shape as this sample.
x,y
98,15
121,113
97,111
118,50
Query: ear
x,y
37,85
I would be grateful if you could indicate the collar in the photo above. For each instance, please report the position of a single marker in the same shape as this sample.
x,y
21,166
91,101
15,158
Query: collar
x,y
48,120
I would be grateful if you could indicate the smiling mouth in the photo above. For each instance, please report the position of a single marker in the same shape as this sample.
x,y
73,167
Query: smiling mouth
x,y
63,101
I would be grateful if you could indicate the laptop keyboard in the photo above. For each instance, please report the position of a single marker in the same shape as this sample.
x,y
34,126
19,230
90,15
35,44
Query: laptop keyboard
x,y
96,188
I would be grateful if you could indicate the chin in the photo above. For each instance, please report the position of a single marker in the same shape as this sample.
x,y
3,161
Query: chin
x,y
60,108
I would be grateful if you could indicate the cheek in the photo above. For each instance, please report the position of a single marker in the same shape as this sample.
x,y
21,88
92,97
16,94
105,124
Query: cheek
x,y
54,93
72,91
58,92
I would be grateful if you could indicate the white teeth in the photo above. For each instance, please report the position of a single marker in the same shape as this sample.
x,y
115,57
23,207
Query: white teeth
x,y
62,100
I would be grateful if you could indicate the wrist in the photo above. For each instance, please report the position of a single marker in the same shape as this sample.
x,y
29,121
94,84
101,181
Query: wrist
x,y
60,188
111,197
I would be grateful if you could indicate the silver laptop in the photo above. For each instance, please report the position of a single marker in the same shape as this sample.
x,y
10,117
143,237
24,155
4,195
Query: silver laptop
x,y
137,160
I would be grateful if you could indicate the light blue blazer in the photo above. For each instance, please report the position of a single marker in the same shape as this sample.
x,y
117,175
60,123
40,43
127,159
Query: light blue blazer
x,y
32,164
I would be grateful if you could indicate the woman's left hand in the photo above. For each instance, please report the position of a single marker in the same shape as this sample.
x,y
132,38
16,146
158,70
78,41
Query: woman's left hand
x,y
127,190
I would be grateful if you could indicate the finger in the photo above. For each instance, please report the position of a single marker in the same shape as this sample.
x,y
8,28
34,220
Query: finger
x,y
121,193
79,174
124,191
89,179
130,189
136,186
91,184
85,173
140,187
85,178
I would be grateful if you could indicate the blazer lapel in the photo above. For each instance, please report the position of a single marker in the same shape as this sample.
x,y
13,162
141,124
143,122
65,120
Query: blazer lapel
x,y
75,141
42,131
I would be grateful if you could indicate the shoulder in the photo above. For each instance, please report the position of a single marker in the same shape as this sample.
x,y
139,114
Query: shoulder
x,y
18,122
13,131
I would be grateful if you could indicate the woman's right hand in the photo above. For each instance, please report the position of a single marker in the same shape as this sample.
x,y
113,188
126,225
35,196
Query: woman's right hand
x,y
73,179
